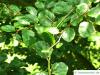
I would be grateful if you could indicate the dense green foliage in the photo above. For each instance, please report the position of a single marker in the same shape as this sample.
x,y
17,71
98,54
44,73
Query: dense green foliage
x,y
49,37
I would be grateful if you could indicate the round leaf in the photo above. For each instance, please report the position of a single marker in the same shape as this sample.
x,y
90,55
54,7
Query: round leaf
x,y
59,68
82,8
68,35
86,29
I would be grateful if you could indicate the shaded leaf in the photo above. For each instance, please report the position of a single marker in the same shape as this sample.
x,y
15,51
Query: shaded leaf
x,y
62,7
42,49
26,35
59,68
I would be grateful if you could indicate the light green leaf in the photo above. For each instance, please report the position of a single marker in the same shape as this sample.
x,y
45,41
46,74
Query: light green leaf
x,y
68,34
86,29
8,28
31,10
62,7
97,20
82,8
27,18
59,68
42,49
53,30
51,4
94,37
94,12
15,9
41,73
76,19
47,15
39,5
26,35
45,22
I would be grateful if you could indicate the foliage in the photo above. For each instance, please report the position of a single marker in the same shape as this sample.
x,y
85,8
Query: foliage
x,y
49,37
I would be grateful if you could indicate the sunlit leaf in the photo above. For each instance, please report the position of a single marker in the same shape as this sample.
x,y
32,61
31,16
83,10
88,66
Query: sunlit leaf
x,y
94,37
82,8
68,34
59,68
31,10
86,29
97,20
94,12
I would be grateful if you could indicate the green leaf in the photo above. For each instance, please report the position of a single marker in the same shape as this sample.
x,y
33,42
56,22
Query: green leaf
x,y
53,30
45,22
97,20
39,5
42,49
15,9
82,8
27,18
49,15
76,19
31,10
86,1
86,29
68,34
41,73
94,37
26,35
59,68
62,7
51,4
49,38
8,28
94,12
